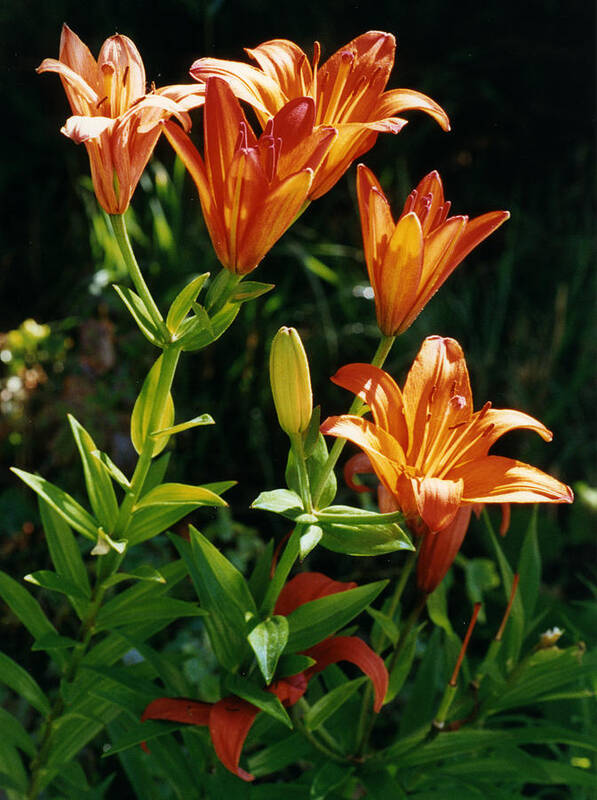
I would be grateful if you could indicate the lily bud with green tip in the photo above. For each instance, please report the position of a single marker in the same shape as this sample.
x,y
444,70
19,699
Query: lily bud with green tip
x,y
290,381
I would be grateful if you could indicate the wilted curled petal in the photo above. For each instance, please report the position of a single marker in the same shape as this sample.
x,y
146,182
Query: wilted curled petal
x,y
355,651
82,129
229,724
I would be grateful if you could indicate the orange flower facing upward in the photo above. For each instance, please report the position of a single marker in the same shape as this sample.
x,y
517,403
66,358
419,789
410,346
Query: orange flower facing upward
x,y
112,114
251,190
348,91
409,260
427,446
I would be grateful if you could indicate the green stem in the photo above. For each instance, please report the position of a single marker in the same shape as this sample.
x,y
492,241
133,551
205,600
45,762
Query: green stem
x,y
318,745
357,408
296,442
285,564
122,237
379,642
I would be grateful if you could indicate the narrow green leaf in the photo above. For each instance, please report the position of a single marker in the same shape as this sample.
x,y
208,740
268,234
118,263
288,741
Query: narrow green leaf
x,y
330,703
143,573
28,610
250,290
366,540
328,777
259,578
268,640
141,416
143,732
529,568
266,701
224,593
422,699
65,554
198,334
357,516
315,463
12,731
177,494
55,583
112,469
150,521
163,608
52,641
15,677
204,419
99,485
512,640
292,664
280,501
63,503
156,473
399,673
309,540
387,624
183,302
280,755
381,786
318,619
139,313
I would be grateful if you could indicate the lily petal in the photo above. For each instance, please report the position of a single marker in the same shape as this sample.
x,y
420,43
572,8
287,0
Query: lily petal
x,y
438,551
230,721
355,651
398,100
495,479
82,129
437,500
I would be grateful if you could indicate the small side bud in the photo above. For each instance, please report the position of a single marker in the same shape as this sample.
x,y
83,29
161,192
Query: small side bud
x,y
290,381
549,638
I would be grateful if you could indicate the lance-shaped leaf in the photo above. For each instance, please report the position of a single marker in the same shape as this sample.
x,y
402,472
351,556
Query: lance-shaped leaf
x,y
252,693
162,608
198,335
268,640
65,553
365,540
317,455
141,416
259,578
110,467
314,621
63,503
55,583
330,703
309,540
183,302
346,515
203,419
280,501
99,486
176,494
249,290
140,314
224,593
15,677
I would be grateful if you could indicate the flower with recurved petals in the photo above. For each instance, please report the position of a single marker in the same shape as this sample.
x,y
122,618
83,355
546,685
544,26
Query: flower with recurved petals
x,y
409,260
251,190
348,90
231,718
114,117
427,446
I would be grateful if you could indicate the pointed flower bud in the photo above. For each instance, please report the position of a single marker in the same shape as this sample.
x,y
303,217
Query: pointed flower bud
x,y
290,381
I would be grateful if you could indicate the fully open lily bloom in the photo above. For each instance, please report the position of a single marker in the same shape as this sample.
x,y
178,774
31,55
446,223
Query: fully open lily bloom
x,y
251,190
112,114
231,718
410,259
429,448
348,91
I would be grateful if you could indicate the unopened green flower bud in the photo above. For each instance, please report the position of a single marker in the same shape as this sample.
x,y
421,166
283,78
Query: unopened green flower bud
x,y
290,381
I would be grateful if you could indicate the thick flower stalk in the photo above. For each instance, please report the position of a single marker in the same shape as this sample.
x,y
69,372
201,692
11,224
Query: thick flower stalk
x,y
251,190
348,92
230,719
410,259
429,448
113,115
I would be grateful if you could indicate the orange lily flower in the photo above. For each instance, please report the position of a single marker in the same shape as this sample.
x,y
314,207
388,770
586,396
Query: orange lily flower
x,y
348,91
427,446
251,190
112,114
231,718
409,260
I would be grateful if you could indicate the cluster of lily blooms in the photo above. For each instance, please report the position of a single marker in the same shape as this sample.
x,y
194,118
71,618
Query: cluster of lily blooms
x,y
425,444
